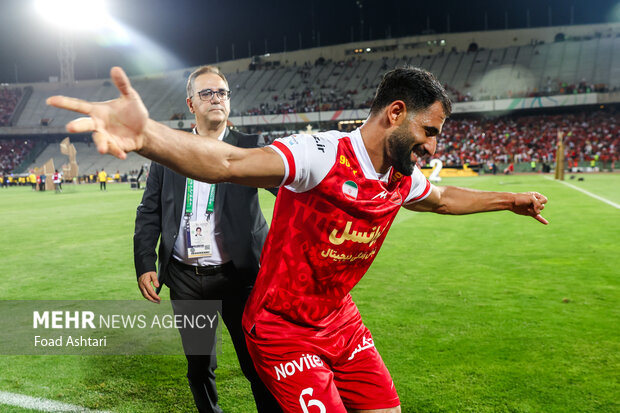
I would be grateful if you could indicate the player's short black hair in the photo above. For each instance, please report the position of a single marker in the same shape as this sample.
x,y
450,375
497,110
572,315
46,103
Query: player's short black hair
x,y
417,87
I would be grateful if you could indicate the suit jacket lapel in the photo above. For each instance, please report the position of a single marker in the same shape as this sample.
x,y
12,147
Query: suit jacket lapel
x,y
220,193
230,137
179,194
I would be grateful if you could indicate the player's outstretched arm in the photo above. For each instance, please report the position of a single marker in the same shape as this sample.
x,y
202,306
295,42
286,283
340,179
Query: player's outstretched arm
x,y
459,201
122,125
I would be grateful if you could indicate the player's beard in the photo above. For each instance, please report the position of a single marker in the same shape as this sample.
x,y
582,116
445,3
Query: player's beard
x,y
399,149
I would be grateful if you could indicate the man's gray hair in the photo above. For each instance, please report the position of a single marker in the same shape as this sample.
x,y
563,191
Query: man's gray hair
x,y
200,71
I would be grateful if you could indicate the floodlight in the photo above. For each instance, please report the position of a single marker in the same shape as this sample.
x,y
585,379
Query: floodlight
x,y
74,14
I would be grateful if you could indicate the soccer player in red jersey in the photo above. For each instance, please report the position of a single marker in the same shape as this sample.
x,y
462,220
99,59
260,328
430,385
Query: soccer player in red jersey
x,y
340,194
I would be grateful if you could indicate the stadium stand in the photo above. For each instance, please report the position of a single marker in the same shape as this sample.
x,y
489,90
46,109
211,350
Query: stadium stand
x,y
12,152
530,138
88,159
480,67
163,95
536,69
9,99
578,64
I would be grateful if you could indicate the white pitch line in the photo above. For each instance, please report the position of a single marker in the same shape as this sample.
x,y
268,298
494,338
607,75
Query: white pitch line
x,y
600,198
40,404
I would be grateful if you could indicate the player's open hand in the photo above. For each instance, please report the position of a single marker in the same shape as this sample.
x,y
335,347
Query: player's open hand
x,y
530,204
117,125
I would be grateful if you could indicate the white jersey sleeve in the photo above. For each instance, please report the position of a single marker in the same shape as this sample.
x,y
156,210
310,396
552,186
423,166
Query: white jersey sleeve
x,y
307,159
420,187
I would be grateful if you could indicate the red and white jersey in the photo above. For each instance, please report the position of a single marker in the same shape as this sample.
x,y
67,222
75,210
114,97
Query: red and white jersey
x,y
331,216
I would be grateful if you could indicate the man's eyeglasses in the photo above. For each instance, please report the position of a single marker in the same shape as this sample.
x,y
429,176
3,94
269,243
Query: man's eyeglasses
x,y
207,94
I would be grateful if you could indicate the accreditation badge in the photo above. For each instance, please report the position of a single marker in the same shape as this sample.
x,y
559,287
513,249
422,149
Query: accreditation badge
x,y
199,239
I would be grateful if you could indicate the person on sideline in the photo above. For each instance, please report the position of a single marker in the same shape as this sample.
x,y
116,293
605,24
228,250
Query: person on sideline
x,y
102,177
211,239
57,178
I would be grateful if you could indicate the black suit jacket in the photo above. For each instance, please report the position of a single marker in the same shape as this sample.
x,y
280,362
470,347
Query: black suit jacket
x,y
242,223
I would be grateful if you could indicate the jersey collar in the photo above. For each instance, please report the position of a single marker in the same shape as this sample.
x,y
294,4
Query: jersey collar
x,y
364,159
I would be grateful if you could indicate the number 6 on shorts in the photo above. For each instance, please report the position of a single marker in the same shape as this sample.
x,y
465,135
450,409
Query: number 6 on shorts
x,y
311,402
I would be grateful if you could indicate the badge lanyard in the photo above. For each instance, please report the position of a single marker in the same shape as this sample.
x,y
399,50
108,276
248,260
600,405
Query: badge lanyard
x,y
189,199
197,244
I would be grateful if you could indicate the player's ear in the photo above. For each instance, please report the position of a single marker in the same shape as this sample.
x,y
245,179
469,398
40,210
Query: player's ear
x,y
396,112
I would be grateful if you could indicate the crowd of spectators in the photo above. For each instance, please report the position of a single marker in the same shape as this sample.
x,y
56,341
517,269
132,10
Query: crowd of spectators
x,y
9,97
456,95
308,100
550,88
13,152
479,141
332,98
588,136
320,99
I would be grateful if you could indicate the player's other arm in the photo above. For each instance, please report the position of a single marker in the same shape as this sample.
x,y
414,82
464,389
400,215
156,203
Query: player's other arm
x,y
460,201
122,125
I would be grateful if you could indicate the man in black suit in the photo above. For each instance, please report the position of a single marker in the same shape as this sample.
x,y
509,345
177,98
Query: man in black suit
x,y
223,262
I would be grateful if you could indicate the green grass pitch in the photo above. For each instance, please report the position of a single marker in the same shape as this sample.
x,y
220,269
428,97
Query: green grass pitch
x,y
481,313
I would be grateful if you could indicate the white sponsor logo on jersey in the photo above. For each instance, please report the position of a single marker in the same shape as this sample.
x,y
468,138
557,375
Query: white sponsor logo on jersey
x,y
305,362
382,195
364,345
395,198
319,145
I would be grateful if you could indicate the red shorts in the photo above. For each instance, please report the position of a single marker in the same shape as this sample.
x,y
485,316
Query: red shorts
x,y
319,374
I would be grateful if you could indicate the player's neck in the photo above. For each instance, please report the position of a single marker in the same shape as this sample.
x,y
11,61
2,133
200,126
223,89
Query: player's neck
x,y
210,129
374,135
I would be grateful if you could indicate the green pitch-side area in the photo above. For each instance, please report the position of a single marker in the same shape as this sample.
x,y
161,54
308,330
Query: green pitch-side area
x,y
482,313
